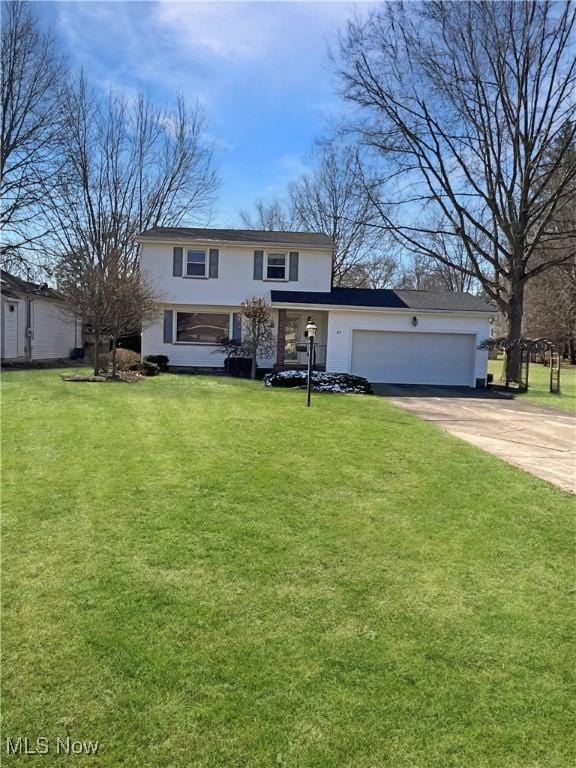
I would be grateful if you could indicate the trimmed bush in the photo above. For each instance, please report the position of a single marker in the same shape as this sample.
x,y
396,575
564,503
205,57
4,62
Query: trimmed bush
x,y
160,360
126,359
238,366
321,382
148,368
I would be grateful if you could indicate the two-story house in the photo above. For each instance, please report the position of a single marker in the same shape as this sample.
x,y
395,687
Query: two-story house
x,y
393,336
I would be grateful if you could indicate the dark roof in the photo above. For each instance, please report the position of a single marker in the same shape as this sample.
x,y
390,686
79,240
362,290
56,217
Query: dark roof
x,y
239,236
388,298
13,286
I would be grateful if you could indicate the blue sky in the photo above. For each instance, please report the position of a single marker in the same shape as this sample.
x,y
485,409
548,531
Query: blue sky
x,y
260,70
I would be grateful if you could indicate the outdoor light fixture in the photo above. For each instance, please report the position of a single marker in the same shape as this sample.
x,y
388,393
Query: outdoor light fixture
x,y
414,321
311,329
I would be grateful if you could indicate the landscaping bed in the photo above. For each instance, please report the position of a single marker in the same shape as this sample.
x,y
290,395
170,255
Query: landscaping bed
x,y
321,382
126,376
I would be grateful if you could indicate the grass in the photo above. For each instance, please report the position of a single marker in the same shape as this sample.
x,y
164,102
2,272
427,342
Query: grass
x,y
199,572
539,385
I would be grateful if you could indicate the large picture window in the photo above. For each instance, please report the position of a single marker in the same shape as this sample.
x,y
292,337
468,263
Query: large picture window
x,y
276,266
202,327
196,264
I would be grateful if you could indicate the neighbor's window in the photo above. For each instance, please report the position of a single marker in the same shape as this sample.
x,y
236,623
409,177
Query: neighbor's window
x,y
196,264
202,327
276,266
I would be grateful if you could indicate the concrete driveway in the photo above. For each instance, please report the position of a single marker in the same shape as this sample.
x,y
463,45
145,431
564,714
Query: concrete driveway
x,y
540,440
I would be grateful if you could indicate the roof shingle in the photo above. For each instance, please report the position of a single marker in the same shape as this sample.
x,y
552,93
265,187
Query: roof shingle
x,y
13,286
387,299
316,239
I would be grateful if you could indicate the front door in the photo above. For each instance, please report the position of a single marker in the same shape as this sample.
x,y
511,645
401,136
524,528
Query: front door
x,y
294,337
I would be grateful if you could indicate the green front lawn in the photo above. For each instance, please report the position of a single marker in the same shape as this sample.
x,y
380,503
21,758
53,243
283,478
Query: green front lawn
x,y
539,385
200,572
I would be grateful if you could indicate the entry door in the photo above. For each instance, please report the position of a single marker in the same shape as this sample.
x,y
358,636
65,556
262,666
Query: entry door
x,y
294,336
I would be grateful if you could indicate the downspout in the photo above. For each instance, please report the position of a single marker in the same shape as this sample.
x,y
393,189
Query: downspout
x,y
3,330
29,330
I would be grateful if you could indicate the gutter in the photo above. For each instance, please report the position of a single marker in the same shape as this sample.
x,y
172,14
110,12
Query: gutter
x,y
229,243
386,310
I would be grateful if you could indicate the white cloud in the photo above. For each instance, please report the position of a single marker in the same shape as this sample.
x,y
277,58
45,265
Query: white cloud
x,y
221,30
293,165
252,31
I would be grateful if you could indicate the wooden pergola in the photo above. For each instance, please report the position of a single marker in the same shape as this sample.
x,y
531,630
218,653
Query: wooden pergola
x,y
527,348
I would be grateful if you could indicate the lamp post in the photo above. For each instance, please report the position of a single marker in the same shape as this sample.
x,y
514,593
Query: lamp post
x,y
310,333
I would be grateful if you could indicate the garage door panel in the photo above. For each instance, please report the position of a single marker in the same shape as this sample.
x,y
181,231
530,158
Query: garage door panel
x,y
413,358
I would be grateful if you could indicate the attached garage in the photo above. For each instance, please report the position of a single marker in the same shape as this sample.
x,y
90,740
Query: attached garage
x,y
401,336
394,357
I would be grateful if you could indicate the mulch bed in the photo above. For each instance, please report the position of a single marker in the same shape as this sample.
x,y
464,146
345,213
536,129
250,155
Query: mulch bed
x,y
129,377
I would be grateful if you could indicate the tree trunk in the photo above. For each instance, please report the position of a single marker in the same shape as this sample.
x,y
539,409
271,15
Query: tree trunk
x,y
96,351
254,364
114,359
514,335
572,350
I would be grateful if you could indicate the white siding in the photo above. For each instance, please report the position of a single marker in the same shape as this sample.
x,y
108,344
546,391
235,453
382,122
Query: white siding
x,y
189,355
235,281
341,325
55,331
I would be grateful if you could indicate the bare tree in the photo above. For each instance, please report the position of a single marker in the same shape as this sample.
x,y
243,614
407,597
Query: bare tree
x,y
257,330
551,308
125,167
451,273
82,282
275,216
465,102
112,296
132,302
335,198
380,271
419,274
31,73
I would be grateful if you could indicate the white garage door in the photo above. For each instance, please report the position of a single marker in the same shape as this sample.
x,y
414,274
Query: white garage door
x,y
414,358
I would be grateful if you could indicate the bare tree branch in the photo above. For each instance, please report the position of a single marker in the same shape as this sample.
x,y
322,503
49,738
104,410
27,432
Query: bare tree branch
x,y
31,74
476,100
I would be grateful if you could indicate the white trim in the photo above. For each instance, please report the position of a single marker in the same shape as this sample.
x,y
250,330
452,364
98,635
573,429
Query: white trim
x,y
265,277
185,271
256,245
383,310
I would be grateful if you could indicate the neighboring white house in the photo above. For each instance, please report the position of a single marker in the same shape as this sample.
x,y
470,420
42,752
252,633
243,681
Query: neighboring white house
x,y
35,326
392,336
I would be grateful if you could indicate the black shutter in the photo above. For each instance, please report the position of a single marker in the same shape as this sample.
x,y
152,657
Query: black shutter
x,y
258,265
177,263
213,264
168,325
293,269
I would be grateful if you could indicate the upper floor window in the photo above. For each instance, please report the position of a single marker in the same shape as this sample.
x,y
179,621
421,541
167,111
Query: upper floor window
x,y
276,266
196,264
